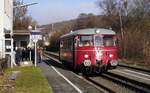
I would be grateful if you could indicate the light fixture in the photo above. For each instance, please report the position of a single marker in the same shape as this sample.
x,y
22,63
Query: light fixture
x,y
97,31
86,56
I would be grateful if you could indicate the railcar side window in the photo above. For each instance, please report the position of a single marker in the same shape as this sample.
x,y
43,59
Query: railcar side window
x,y
76,40
61,44
86,41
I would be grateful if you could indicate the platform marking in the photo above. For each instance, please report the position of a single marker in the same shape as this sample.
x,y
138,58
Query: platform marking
x,y
80,91
132,75
137,73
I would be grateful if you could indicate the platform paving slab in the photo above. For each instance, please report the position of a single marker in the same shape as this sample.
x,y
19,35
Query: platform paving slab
x,y
59,85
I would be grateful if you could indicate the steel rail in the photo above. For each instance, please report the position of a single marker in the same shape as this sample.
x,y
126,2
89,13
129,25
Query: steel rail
x,y
124,81
129,83
100,85
135,68
87,78
120,65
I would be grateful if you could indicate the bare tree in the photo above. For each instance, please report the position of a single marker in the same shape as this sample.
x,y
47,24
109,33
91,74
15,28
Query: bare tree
x,y
20,18
135,18
85,21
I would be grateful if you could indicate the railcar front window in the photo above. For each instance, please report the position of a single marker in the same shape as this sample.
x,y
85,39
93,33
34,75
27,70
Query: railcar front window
x,y
109,40
98,41
86,41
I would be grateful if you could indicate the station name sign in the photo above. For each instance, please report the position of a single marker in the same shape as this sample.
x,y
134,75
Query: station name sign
x,y
35,35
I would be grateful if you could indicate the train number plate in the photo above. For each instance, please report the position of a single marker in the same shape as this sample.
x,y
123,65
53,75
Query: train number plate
x,y
114,63
87,62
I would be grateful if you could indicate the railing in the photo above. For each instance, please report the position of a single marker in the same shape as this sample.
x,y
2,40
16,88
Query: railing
x,y
3,64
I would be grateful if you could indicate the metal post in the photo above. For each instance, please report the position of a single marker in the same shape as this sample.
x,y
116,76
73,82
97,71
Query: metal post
x,y
12,54
52,27
122,33
30,55
35,55
120,18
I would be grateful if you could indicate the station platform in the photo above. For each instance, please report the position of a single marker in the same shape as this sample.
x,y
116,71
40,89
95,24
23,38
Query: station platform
x,y
25,63
63,80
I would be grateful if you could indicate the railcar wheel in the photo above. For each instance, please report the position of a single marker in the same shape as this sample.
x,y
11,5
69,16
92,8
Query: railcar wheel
x,y
76,69
98,70
114,67
88,70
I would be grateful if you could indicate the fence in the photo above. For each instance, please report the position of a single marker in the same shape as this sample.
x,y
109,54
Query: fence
x,y
3,59
2,48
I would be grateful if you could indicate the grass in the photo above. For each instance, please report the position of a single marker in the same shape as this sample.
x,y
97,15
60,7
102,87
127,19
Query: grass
x,y
30,80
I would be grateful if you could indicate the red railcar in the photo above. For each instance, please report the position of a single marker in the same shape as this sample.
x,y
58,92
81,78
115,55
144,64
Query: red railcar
x,y
89,49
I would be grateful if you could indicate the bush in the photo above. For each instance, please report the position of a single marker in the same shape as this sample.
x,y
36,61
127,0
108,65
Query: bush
x,y
54,40
136,45
3,65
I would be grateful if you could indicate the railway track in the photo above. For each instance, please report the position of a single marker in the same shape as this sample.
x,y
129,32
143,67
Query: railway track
x,y
120,65
114,79
134,68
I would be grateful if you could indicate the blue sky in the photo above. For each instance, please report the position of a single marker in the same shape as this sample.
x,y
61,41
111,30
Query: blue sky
x,y
51,11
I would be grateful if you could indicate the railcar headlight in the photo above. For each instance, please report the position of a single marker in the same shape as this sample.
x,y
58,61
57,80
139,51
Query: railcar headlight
x,y
110,55
97,31
86,56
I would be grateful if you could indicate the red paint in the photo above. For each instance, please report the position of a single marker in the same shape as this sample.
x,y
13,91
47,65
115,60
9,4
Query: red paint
x,y
77,55
91,51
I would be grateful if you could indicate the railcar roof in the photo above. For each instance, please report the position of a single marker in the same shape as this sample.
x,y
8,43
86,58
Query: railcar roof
x,y
90,31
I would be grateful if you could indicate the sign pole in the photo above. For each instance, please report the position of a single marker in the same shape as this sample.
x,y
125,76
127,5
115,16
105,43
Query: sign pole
x,y
35,60
12,54
35,36
30,55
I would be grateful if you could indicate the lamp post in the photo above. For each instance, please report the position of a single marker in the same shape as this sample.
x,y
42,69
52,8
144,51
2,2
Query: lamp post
x,y
35,45
24,5
120,18
30,28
